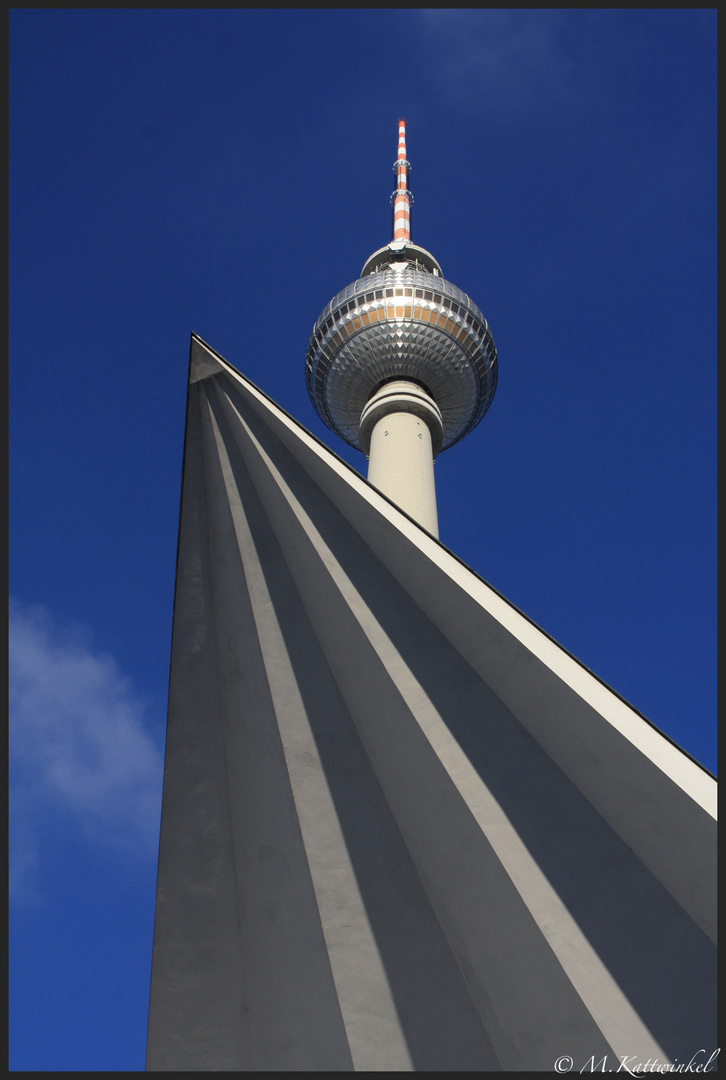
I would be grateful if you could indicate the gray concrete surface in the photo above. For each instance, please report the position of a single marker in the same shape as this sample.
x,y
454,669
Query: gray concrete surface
x,y
401,828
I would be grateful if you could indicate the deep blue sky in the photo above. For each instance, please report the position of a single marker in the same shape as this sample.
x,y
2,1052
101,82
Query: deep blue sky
x,y
227,172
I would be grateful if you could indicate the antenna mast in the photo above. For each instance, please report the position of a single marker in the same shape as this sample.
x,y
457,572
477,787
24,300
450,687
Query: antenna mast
x,y
402,199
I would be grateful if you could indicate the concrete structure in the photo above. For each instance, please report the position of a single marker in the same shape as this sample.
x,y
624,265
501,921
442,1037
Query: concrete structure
x,y
401,431
402,828
401,363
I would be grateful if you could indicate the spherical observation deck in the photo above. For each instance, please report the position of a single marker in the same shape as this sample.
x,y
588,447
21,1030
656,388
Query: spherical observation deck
x,y
401,319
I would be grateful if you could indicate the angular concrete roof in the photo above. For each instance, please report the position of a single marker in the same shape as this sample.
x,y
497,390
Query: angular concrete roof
x,y
402,828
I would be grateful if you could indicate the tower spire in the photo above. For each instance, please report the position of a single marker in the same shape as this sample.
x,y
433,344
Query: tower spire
x,y
402,199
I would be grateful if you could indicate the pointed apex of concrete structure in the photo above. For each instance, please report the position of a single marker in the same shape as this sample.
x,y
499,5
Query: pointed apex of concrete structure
x,y
402,828
203,360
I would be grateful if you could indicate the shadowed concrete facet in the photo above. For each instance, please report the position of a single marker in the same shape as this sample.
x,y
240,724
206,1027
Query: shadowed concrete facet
x,y
402,828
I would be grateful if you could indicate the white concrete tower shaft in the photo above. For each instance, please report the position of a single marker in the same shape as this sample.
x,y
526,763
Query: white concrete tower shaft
x,y
401,431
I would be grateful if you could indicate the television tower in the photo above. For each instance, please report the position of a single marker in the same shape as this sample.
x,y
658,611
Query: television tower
x,y
401,363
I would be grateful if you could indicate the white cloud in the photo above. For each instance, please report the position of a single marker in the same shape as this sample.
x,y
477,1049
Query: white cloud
x,y
502,62
78,746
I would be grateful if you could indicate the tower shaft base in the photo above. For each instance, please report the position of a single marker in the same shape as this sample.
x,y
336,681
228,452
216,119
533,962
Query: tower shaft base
x,y
402,427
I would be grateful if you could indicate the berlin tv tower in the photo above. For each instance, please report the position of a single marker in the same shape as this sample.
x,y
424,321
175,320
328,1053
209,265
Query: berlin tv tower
x,y
401,364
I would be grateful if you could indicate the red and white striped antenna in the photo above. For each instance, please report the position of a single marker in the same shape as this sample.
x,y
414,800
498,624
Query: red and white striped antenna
x,y
402,198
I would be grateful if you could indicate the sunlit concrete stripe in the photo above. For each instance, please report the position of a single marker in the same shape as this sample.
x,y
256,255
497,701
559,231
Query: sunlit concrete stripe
x,y
610,1008
369,1012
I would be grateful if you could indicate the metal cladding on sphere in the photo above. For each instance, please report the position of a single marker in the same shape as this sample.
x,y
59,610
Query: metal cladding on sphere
x,y
401,323
401,319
